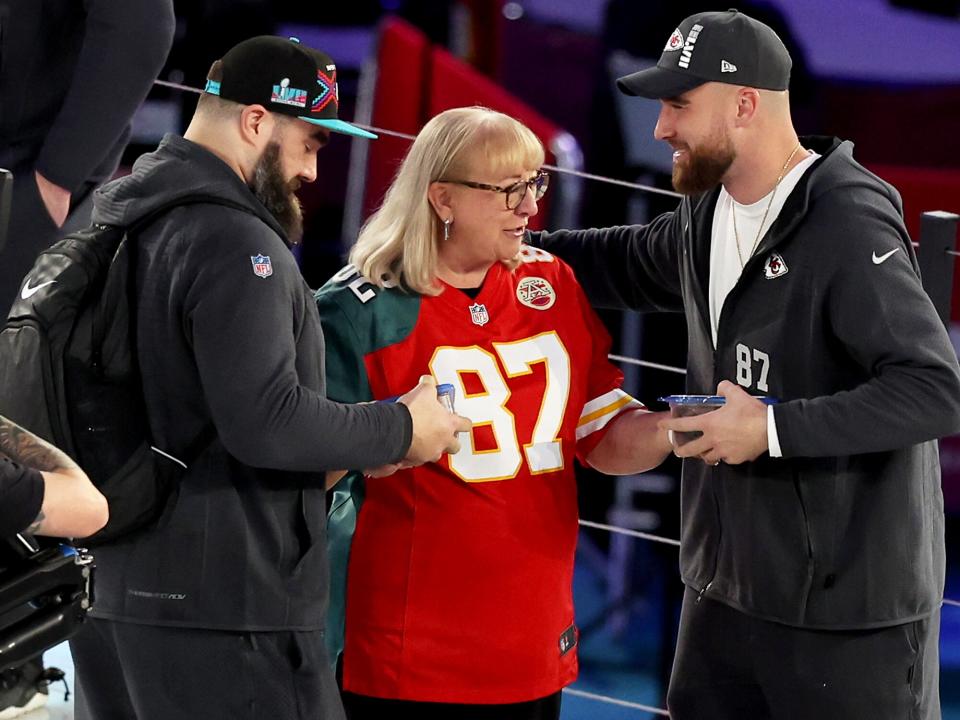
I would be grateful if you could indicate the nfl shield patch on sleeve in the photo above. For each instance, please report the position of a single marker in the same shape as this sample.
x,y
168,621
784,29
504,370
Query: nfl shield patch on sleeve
x,y
262,267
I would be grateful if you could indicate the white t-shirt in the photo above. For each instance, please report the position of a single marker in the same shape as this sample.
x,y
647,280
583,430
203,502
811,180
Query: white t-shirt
x,y
726,265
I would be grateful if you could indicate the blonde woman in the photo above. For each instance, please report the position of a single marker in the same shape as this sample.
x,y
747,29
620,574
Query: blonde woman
x,y
458,593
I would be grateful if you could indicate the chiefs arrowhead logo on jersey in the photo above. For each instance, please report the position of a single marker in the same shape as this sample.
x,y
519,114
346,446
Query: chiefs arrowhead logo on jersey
x,y
536,293
775,267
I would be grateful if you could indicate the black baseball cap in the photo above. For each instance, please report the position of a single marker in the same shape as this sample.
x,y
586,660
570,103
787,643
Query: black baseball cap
x,y
285,77
727,47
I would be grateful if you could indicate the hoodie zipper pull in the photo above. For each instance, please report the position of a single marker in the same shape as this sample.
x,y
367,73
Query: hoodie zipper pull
x,y
705,588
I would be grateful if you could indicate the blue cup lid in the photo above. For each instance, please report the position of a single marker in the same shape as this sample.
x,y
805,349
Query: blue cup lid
x,y
442,389
709,399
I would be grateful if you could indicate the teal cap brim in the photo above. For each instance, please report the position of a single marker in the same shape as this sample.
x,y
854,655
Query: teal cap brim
x,y
341,127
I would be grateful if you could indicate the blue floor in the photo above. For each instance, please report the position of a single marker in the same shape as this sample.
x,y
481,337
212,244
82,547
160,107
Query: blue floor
x,y
622,662
950,647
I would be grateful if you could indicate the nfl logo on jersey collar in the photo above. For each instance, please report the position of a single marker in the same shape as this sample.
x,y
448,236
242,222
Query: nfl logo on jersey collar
x,y
479,315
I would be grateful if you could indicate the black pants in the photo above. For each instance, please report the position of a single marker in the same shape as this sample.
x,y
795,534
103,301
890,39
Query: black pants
x,y
362,707
142,672
732,666
31,229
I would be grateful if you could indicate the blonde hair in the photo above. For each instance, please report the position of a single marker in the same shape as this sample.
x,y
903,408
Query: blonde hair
x,y
398,243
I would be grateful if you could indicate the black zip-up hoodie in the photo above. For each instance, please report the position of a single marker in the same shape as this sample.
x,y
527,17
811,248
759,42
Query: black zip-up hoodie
x,y
228,333
829,316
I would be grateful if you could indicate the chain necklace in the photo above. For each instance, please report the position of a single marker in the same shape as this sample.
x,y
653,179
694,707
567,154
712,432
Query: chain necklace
x,y
733,214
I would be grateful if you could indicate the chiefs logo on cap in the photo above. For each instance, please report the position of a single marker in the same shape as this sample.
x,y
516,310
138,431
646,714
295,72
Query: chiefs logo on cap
x,y
675,42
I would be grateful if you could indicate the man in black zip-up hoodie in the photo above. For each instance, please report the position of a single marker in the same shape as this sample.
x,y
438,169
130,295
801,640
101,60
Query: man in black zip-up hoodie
x,y
218,610
812,530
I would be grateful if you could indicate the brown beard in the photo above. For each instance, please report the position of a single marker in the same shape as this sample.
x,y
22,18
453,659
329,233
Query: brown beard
x,y
704,168
278,195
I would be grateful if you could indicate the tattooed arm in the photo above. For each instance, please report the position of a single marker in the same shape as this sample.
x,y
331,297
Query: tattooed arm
x,y
72,506
25,448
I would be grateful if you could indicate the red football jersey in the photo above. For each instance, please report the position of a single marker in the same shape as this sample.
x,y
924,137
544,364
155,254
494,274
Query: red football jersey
x,y
460,574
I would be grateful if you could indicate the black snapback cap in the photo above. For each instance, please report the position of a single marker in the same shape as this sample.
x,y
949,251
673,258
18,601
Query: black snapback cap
x,y
727,47
285,77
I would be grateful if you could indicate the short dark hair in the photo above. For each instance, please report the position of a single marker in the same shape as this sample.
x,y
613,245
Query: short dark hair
x,y
215,106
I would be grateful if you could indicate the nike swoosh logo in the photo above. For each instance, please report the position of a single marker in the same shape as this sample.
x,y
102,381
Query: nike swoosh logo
x,y
28,292
877,259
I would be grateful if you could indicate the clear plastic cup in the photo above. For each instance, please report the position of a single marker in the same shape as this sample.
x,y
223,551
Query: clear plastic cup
x,y
687,405
446,395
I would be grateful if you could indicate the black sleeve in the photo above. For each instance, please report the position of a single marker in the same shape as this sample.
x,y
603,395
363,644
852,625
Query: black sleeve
x,y
244,338
124,47
21,496
886,322
629,267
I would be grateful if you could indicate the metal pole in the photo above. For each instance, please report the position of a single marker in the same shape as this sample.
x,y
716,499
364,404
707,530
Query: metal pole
x,y
938,237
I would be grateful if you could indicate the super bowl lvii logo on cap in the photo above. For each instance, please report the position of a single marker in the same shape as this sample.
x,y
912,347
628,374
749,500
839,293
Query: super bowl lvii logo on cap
x,y
283,93
689,46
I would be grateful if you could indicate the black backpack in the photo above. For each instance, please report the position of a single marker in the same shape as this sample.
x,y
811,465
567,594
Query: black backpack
x,y
69,371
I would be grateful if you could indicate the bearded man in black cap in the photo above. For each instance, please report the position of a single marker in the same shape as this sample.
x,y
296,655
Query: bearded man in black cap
x,y
812,528
218,610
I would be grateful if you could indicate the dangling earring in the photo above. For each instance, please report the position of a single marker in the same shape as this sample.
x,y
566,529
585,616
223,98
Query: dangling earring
x,y
446,228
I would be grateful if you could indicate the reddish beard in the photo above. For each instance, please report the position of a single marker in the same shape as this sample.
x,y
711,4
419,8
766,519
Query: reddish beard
x,y
701,170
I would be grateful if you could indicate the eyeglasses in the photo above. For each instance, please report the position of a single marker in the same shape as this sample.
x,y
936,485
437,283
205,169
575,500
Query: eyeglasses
x,y
514,193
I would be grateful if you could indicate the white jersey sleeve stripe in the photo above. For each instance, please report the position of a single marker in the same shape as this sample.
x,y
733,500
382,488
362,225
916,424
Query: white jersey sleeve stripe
x,y
600,411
